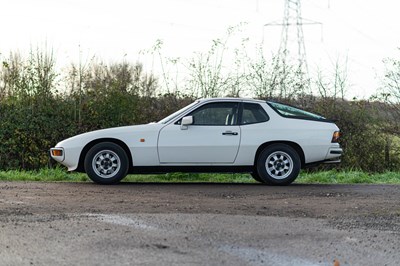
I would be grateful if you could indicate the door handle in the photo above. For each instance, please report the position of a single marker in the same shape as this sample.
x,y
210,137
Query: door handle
x,y
230,133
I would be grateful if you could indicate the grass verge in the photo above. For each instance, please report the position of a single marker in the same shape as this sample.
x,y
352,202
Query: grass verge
x,y
349,177
325,177
45,175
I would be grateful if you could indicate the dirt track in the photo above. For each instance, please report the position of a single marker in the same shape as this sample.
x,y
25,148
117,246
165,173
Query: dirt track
x,y
198,224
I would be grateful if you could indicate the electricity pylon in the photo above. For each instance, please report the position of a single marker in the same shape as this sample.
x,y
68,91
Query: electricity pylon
x,y
290,73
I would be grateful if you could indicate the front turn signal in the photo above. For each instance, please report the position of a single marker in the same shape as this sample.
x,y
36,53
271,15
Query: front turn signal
x,y
335,137
57,152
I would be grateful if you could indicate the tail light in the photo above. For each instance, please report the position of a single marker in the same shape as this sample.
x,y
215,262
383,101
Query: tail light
x,y
335,137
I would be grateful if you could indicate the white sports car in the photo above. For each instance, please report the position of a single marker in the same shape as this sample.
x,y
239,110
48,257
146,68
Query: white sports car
x,y
270,140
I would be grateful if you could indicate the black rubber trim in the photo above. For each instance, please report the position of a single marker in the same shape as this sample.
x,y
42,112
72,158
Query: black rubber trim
x,y
314,164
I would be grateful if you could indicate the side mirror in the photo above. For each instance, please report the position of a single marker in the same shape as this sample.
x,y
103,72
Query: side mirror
x,y
186,121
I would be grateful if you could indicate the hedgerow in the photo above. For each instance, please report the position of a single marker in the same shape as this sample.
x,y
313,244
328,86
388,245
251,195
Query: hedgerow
x,y
40,106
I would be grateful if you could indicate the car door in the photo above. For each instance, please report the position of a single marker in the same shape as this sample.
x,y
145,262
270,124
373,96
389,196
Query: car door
x,y
213,138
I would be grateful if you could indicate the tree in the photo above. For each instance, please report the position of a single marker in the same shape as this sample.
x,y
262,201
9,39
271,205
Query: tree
x,y
169,81
391,81
259,76
335,84
208,74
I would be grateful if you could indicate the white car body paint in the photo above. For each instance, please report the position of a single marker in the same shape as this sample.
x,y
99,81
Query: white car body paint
x,y
198,145
158,144
143,153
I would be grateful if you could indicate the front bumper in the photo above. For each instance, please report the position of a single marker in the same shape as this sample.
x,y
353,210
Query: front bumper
x,y
57,154
68,157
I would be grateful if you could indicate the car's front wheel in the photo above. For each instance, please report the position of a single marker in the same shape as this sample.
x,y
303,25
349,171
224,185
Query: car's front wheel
x,y
256,177
278,164
106,163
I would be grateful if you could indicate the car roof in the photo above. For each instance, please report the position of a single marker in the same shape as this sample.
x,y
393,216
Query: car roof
x,y
230,99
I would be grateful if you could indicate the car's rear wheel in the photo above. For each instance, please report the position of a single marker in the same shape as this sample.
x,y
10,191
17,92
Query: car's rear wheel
x,y
106,163
278,164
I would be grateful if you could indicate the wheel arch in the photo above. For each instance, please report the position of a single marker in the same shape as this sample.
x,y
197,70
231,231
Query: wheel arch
x,y
292,144
88,146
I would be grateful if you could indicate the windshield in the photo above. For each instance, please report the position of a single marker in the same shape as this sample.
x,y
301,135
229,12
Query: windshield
x,y
290,111
177,113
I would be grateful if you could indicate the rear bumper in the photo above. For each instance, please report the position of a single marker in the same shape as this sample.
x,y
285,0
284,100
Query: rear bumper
x,y
332,161
333,155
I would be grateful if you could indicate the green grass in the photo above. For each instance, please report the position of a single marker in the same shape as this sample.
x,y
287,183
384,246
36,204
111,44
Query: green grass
x,y
45,175
61,175
349,177
325,177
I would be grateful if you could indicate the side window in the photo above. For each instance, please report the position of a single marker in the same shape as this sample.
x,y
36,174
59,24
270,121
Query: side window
x,y
253,113
216,114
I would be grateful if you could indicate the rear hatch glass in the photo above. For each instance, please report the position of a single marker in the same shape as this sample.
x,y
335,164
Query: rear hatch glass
x,y
293,112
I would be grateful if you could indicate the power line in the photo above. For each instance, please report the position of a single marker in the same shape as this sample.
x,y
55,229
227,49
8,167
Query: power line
x,y
288,60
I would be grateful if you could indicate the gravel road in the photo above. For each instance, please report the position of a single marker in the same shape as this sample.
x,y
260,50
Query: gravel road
x,y
198,224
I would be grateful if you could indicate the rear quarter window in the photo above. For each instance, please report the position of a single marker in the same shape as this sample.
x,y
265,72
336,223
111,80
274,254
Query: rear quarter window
x,y
253,113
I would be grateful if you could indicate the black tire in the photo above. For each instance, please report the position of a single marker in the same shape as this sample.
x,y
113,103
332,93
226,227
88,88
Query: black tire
x,y
283,165
257,177
106,163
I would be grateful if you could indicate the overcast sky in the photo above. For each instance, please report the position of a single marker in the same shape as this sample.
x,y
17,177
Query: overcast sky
x,y
364,31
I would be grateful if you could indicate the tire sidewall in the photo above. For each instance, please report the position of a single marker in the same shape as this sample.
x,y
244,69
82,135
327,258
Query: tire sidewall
x,y
124,161
256,177
262,171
